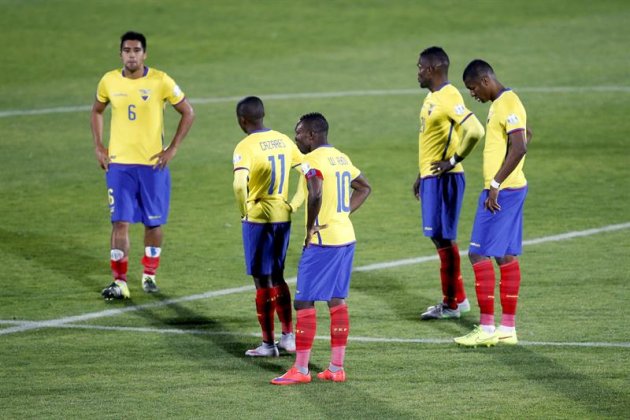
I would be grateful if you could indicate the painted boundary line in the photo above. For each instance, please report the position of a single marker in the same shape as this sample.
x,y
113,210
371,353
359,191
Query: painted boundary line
x,y
319,95
176,331
33,325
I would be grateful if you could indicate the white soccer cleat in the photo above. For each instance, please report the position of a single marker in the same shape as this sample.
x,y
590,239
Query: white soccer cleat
x,y
287,342
440,311
464,306
264,350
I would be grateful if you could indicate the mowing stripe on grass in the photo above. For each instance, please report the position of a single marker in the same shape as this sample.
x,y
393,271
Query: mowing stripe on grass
x,y
32,325
322,337
319,95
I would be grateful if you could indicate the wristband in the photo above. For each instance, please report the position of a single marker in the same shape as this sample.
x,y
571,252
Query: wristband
x,y
494,184
452,161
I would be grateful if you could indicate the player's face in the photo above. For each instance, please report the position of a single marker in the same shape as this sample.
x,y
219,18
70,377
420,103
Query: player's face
x,y
478,89
302,136
132,55
423,72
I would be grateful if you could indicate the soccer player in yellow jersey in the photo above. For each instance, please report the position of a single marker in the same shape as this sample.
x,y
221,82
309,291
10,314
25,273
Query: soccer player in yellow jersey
x,y
262,162
498,227
135,160
448,132
336,189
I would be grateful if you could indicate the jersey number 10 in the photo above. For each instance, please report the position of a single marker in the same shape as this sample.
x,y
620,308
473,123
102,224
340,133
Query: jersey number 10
x,y
343,191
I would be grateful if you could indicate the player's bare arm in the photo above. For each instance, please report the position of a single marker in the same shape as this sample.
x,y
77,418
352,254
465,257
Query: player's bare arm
x,y
416,188
185,122
314,185
361,189
517,148
96,120
472,132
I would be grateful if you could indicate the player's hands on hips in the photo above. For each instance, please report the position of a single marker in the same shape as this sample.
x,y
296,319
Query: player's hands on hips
x,y
164,157
492,202
102,156
441,167
311,232
416,188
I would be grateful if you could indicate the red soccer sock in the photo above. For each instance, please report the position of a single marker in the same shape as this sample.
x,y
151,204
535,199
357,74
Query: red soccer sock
x,y
339,331
283,307
508,287
150,264
450,276
119,268
265,309
484,286
305,329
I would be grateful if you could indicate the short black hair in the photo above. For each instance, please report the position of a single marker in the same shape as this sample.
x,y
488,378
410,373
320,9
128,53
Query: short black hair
x,y
477,69
251,108
133,36
315,121
436,56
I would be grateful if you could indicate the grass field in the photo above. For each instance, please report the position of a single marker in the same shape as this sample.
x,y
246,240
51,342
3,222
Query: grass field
x,y
64,353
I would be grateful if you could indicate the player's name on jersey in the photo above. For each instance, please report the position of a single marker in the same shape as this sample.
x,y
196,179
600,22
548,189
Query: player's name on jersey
x,y
337,160
272,144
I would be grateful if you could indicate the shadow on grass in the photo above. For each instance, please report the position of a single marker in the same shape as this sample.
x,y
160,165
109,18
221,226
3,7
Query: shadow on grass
x,y
235,345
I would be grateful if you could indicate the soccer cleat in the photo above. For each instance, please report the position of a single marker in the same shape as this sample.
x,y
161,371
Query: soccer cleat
x,y
117,290
328,375
464,306
292,377
504,337
264,350
287,342
477,337
440,311
148,284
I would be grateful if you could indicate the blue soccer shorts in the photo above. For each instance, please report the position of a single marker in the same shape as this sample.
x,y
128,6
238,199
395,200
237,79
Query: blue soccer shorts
x,y
138,193
501,233
441,202
265,246
324,272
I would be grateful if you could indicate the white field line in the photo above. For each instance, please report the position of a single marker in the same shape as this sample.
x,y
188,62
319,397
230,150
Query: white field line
x,y
319,95
32,325
356,339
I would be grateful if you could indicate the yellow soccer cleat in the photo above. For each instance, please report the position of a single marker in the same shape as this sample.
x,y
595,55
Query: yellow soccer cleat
x,y
117,290
477,337
504,337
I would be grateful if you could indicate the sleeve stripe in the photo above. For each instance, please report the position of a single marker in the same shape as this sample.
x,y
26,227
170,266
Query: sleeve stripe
x,y
239,168
465,118
516,130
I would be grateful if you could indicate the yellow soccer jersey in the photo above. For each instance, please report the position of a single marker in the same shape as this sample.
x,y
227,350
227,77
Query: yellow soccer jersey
x,y
337,172
506,115
268,155
137,125
443,111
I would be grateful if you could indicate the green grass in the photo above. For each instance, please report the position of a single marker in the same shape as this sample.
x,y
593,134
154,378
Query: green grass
x,y
54,234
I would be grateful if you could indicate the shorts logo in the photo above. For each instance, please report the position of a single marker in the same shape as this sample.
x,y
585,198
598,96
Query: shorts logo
x,y
429,228
155,217
475,244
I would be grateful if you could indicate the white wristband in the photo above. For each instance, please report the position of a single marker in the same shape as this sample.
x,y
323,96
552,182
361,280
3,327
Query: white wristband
x,y
494,184
452,161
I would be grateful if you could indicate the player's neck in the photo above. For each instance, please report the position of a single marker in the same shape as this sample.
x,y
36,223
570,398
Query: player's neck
x,y
438,84
140,72
497,90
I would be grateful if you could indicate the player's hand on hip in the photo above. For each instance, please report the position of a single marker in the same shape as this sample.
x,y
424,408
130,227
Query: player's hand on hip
x,y
441,167
492,202
163,158
102,156
311,232
416,188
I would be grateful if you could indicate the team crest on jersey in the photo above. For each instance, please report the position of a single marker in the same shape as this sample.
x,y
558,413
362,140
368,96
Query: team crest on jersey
x,y
460,109
145,93
431,108
236,158
512,119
